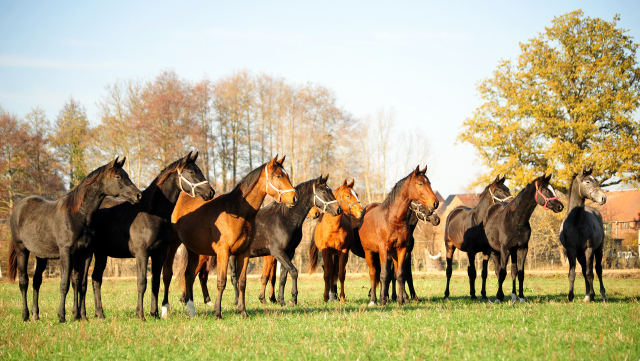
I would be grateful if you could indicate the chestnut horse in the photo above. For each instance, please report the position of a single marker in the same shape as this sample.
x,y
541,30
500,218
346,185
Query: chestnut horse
x,y
222,227
508,230
465,231
333,237
384,229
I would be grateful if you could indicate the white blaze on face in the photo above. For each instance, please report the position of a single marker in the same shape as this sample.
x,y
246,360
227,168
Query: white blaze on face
x,y
355,195
553,191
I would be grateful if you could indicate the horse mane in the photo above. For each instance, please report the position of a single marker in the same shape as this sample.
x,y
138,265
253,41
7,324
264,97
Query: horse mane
x,y
391,197
75,198
157,183
249,182
575,175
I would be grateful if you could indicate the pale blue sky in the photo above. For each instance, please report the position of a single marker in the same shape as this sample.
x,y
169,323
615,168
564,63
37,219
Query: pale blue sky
x,y
423,59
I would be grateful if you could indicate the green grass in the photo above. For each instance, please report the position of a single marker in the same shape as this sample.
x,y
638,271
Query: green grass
x,y
547,327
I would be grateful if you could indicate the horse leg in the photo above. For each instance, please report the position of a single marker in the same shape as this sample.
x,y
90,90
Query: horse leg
x,y
384,275
272,277
266,268
83,285
189,278
23,278
514,273
583,263
502,272
342,273
142,259
471,271
571,256
96,278
591,294
450,250
41,265
403,298
285,261
522,257
167,272
373,277
485,274
65,273
202,264
78,267
409,278
391,283
283,283
233,270
598,257
242,262
203,276
221,270
328,274
157,261
334,279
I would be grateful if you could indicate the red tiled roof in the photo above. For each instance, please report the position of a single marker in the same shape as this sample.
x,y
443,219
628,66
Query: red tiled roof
x,y
621,206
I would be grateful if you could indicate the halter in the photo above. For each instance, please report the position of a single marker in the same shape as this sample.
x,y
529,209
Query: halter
x,y
349,205
280,193
324,204
192,185
580,191
421,215
498,199
546,200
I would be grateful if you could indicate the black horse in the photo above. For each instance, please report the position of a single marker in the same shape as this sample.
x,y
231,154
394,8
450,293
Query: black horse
x,y
417,212
144,230
62,229
508,230
465,231
582,233
279,232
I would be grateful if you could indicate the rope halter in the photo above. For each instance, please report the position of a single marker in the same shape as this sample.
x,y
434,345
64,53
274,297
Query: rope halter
x,y
546,200
193,186
317,198
349,205
415,207
266,187
496,199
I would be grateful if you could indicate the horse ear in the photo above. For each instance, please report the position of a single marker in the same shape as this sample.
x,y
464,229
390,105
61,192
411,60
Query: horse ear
x,y
350,185
417,170
424,170
113,163
281,161
326,178
589,171
497,180
548,178
194,157
344,184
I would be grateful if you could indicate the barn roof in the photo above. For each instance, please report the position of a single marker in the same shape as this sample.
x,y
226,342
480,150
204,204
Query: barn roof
x,y
621,206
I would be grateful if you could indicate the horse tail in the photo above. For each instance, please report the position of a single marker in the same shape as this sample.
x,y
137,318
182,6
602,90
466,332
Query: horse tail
x,y
313,257
13,262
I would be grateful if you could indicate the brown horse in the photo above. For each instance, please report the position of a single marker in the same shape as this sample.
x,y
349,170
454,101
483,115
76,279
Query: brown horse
x,y
224,226
269,267
333,237
385,231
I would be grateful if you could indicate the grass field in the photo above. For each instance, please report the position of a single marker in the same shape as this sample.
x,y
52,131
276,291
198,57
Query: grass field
x,y
546,327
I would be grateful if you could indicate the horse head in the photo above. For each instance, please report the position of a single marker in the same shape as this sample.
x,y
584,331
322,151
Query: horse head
x,y
588,187
118,184
191,179
314,213
323,198
278,184
499,192
546,195
348,199
420,189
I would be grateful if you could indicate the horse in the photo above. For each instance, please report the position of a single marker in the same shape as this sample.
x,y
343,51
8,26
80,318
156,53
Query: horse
x,y
222,227
582,232
144,230
508,230
269,267
465,231
333,236
384,229
62,229
278,232
417,212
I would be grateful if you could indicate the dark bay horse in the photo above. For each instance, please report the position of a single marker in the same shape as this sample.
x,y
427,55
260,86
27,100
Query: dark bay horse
x,y
508,230
144,230
62,229
270,263
384,229
278,232
333,236
224,226
582,233
465,231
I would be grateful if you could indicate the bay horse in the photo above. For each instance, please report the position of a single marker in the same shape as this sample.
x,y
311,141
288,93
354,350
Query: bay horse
x,y
62,229
333,236
222,227
508,230
417,212
465,231
384,229
278,232
582,232
270,264
144,230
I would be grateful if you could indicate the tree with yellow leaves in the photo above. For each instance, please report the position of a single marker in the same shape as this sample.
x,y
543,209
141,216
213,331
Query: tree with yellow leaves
x,y
567,102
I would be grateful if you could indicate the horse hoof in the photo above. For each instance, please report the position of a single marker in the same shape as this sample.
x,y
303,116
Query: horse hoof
x,y
522,300
60,319
292,303
281,302
210,304
586,299
514,298
244,315
474,297
332,296
371,304
36,318
484,298
262,300
496,301
191,309
165,310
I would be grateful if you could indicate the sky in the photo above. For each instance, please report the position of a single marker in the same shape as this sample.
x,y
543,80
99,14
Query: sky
x,y
422,59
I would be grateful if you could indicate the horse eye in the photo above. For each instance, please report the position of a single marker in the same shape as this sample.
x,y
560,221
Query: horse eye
x,y
118,177
278,176
421,184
